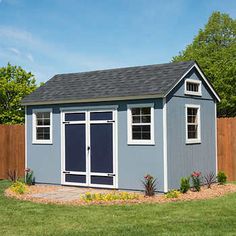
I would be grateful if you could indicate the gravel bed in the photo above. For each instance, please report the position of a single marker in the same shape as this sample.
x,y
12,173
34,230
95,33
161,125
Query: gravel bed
x,y
205,193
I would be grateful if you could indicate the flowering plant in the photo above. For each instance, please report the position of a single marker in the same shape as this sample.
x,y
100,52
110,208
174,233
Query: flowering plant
x,y
149,185
196,179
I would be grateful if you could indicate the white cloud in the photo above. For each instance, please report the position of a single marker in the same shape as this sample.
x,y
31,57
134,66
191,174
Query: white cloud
x,y
15,51
30,57
24,44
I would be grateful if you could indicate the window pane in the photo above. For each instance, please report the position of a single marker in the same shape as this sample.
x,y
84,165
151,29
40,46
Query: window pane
x,y
43,133
43,118
192,115
135,111
192,131
141,132
146,119
146,111
136,119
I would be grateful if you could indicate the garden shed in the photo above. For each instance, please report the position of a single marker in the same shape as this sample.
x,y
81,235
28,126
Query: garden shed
x,y
109,128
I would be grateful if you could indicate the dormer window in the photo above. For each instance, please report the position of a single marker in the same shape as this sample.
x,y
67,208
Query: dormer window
x,y
193,87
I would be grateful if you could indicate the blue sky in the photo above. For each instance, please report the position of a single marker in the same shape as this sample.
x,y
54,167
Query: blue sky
x,y
48,37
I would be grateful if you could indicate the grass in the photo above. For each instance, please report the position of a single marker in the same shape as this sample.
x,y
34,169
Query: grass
x,y
209,217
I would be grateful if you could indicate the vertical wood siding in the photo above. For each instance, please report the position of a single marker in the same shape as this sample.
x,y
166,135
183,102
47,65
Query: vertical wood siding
x,y
12,149
227,146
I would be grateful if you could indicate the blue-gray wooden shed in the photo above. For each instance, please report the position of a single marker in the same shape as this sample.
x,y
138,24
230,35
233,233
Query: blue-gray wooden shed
x,y
109,128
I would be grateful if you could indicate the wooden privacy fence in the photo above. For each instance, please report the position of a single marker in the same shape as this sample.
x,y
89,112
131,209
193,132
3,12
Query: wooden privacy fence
x,y
12,149
227,146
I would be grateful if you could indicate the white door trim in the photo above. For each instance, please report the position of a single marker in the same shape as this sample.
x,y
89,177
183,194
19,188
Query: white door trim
x,y
88,173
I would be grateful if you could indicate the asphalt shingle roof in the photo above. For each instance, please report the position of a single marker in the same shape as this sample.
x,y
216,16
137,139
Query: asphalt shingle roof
x,y
112,83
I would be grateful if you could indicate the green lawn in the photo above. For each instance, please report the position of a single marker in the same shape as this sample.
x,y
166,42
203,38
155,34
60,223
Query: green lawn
x,y
210,217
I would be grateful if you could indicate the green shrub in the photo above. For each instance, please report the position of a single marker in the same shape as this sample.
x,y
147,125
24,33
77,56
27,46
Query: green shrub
x,y
88,197
29,177
149,184
19,187
196,179
173,194
221,177
184,185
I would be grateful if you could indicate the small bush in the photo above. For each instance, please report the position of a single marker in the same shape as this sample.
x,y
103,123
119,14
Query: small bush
x,y
221,177
173,194
88,197
210,178
196,179
12,175
149,185
29,177
19,187
184,185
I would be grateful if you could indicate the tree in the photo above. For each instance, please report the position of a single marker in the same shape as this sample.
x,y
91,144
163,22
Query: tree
x,y
15,83
214,48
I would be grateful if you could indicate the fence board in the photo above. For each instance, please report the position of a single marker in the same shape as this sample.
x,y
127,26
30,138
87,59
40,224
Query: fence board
x,y
12,149
226,140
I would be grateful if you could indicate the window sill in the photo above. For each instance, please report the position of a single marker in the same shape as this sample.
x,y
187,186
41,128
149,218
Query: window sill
x,y
42,142
140,144
193,94
193,142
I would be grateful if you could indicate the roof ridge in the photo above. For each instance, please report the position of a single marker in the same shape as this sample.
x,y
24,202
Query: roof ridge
x,y
128,67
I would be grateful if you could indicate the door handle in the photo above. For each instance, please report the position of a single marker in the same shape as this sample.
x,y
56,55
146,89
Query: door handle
x,y
111,175
88,148
66,172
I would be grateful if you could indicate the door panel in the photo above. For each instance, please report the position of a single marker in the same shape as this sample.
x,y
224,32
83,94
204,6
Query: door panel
x,y
101,142
102,180
75,178
75,147
75,116
101,115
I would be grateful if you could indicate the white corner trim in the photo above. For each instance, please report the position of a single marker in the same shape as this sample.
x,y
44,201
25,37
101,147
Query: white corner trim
x,y
187,92
130,141
216,146
197,140
204,78
26,127
165,146
34,140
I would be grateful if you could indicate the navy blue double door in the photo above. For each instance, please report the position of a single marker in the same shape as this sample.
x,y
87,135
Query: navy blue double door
x,y
89,149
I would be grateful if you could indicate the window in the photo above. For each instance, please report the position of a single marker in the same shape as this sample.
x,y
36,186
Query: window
x,y
193,124
193,87
140,124
42,126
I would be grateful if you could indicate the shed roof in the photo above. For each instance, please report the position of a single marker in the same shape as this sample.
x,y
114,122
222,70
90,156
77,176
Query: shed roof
x,y
112,84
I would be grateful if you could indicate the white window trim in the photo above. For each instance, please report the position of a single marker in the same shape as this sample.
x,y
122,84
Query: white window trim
x,y
199,93
130,141
34,140
198,139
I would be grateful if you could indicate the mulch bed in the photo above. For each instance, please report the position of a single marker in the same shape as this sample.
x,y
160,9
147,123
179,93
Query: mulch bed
x,y
205,193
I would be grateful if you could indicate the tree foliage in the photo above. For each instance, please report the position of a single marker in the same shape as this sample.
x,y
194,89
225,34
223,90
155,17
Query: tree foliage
x,y
214,48
15,83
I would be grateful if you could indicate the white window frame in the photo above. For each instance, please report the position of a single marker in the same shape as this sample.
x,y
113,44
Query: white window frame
x,y
34,137
131,141
199,93
198,139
